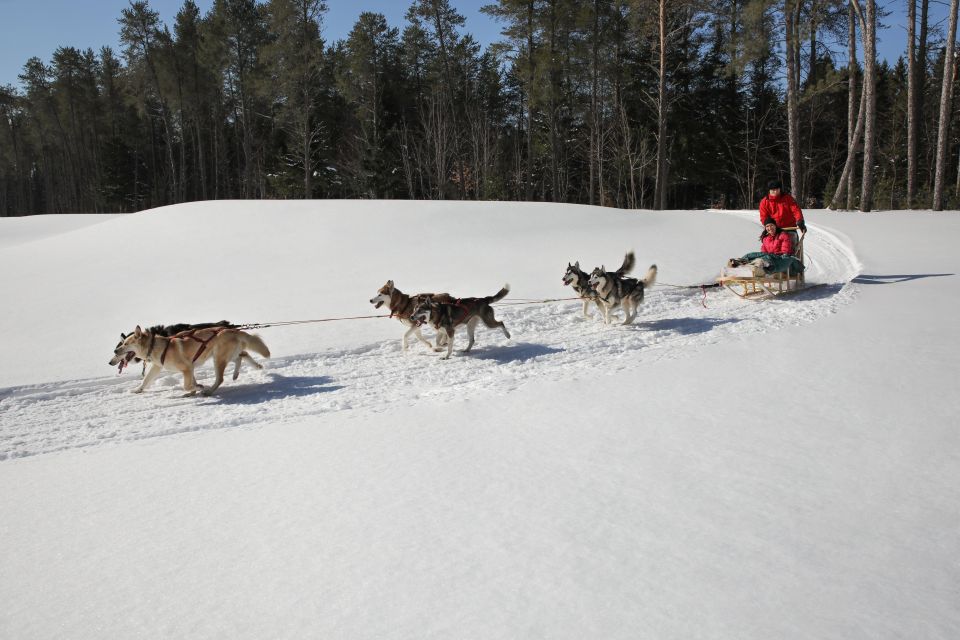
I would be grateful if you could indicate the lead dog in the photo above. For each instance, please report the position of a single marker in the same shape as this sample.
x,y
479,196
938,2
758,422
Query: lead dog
x,y
447,316
184,351
613,290
402,307
173,329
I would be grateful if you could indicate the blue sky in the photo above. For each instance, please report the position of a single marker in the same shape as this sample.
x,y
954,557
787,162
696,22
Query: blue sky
x,y
38,27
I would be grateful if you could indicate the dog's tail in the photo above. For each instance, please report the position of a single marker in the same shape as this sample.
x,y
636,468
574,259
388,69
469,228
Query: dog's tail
x,y
651,276
628,261
499,295
253,343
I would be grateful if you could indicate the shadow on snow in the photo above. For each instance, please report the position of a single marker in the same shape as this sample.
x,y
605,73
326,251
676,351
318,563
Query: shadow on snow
x,y
277,388
686,326
520,352
864,278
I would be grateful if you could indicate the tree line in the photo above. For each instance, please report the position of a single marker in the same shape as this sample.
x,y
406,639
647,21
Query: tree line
x,y
626,103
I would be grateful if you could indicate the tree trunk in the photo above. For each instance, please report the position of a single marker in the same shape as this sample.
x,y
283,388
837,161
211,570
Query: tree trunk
x,y
660,188
946,99
791,10
528,191
853,112
912,82
869,89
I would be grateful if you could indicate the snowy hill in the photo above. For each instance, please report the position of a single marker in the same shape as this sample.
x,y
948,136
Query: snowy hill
x,y
719,469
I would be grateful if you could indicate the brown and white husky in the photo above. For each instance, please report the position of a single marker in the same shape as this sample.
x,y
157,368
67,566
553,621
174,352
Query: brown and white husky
x,y
184,351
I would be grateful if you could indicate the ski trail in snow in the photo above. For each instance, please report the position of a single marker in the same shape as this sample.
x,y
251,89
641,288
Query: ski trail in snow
x,y
551,341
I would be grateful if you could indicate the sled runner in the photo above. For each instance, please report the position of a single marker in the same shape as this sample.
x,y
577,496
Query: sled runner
x,y
759,275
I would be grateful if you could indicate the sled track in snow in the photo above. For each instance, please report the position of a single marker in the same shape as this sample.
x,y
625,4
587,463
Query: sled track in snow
x,y
551,342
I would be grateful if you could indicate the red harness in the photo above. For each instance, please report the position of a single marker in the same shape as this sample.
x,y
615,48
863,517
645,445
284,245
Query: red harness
x,y
189,335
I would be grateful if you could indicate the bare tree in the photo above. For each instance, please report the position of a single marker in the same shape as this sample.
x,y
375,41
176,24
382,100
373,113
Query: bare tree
x,y
660,190
854,125
946,99
791,12
870,98
912,67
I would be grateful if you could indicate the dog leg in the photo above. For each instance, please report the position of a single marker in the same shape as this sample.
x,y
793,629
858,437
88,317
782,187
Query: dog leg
x,y
219,365
586,308
471,328
491,321
240,358
246,356
444,340
449,341
421,338
149,378
190,382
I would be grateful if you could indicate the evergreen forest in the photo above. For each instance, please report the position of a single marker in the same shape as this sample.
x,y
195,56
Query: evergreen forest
x,y
659,104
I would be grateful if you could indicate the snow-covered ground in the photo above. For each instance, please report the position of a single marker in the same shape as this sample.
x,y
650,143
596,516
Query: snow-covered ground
x,y
720,469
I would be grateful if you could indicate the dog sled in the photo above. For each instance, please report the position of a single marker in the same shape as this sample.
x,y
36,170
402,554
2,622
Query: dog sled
x,y
758,276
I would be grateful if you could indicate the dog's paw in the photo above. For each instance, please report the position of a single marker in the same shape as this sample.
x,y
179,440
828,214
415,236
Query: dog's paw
x,y
137,390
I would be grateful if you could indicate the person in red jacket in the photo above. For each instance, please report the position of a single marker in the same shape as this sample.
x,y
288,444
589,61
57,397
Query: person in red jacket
x,y
781,208
775,240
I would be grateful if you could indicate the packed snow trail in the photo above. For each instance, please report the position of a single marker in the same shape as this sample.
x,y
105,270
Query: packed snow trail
x,y
550,341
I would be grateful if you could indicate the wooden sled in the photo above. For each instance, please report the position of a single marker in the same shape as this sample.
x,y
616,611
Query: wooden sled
x,y
756,287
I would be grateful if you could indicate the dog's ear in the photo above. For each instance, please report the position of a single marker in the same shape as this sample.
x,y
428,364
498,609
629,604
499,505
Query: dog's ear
x,y
390,283
603,267
577,264
138,331
123,336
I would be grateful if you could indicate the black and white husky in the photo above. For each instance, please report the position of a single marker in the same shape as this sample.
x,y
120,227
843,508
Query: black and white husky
x,y
614,290
579,281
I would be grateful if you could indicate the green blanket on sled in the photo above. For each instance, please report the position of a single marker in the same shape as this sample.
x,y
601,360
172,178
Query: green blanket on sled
x,y
775,264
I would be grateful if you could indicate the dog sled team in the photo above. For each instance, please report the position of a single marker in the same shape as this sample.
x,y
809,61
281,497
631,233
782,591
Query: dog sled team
x,y
776,268
183,347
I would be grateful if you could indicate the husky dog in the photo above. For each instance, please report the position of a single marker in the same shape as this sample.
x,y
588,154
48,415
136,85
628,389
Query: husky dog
x,y
184,351
173,329
605,308
402,307
613,290
447,316
579,280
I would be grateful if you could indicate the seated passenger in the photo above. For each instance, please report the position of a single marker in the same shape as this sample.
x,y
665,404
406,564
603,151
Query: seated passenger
x,y
775,255
775,240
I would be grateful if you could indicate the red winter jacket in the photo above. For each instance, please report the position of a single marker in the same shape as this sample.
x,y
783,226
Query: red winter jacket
x,y
783,210
780,244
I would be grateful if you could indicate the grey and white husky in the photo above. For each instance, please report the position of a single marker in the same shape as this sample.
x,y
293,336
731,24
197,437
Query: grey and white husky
x,y
614,290
445,317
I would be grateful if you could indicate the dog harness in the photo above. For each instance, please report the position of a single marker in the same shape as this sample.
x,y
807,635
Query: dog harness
x,y
187,335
